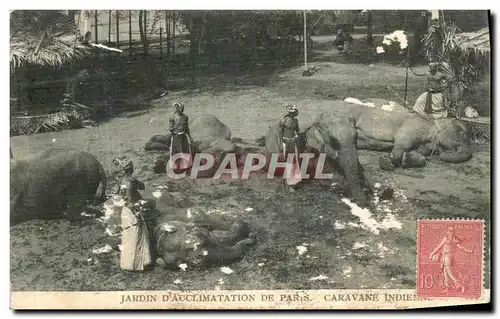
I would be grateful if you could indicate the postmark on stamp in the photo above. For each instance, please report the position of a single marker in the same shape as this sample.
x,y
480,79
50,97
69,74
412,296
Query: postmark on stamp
x,y
450,258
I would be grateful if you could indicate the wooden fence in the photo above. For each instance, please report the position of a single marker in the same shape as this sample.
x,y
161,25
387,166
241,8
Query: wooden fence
x,y
120,29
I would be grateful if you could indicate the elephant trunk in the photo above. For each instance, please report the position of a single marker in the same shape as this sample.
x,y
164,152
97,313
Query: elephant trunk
x,y
459,156
352,183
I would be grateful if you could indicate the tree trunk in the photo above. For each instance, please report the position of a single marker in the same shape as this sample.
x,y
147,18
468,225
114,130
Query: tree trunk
x,y
146,40
143,31
141,27
194,37
369,27
211,52
419,28
168,31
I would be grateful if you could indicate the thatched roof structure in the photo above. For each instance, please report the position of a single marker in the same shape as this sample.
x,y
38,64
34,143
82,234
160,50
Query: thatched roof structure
x,y
477,41
43,39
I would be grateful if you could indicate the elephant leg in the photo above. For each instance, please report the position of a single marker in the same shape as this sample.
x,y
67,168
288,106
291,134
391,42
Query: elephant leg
x,y
402,159
413,159
424,149
413,132
460,156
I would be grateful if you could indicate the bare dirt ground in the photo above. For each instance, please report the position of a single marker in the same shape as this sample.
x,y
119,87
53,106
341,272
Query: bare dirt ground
x,y
306,240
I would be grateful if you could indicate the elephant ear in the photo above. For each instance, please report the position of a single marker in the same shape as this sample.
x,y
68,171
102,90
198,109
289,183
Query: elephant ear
x,y
314,137
272,143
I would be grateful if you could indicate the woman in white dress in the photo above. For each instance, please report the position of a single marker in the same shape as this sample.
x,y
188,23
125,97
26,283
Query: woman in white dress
x,y
136,252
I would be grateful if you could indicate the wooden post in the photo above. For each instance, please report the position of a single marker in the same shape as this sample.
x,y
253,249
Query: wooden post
x,y
146,40
369,28
118,31
173,34
130,32
96,21
161,43
109,26
305,40
167,26
161,52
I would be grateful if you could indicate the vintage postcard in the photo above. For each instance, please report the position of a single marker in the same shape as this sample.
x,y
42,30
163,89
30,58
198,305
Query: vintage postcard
x,y
249,159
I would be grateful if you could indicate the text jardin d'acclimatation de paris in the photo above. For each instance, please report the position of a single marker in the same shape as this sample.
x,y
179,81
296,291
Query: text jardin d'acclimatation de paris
x,y
326,296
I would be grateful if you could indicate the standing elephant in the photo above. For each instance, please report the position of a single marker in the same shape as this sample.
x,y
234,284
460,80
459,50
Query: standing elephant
x,y
45,184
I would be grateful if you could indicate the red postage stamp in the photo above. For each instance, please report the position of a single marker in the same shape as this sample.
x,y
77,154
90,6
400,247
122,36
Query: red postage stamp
x,y
450,258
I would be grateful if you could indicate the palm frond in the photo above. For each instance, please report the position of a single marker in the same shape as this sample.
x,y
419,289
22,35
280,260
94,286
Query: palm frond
x,y
477,42
67,117
49,42
458,50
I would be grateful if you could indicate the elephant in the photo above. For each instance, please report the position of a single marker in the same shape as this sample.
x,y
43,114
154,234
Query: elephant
x,y
200,127
54,183
334,138
348,127
410,138
210,136
200,240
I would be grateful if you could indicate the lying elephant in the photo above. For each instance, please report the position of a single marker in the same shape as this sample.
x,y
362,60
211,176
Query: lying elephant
x,y
53,182
210,136
338,143
200,240
201,127
409,137
179,236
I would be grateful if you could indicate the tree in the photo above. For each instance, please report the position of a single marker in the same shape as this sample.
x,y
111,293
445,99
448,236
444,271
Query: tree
x,y
43,38
250,28
463,55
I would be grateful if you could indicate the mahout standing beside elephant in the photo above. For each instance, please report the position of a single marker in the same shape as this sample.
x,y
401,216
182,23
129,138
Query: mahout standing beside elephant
x,y
334,137
181,139
210,136
289,137
410,138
